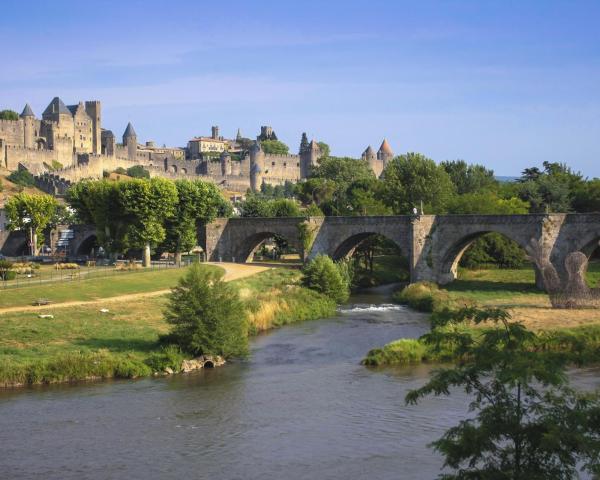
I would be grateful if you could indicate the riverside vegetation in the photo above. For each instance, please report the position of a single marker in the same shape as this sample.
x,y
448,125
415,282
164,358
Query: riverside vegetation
x,y
577,332
82,343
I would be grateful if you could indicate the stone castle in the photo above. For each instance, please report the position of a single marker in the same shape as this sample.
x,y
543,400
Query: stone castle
x,y
68,144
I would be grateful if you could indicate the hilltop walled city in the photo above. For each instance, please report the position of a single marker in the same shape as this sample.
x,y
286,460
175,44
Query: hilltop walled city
x,y
69,144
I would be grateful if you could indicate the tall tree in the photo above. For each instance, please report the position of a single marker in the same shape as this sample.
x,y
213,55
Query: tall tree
x,y
413,178
31,213
147,204
274,147
469,178
528,423
197,202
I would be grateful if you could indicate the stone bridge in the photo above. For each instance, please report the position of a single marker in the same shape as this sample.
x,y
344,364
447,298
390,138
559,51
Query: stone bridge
x,y
433,244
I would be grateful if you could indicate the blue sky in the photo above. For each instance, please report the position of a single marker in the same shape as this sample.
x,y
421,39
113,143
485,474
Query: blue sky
x,y
507,84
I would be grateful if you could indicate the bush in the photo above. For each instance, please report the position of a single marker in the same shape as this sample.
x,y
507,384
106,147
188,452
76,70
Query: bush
x,y
206,315
138,171
121,171
66,266
170,356
400,352
6,272
423,296
22,178
324,276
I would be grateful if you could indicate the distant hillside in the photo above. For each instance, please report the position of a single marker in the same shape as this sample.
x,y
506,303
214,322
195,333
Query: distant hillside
x,y
503,178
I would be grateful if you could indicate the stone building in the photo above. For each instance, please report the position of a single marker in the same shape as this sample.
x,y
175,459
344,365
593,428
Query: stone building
x,y
68,144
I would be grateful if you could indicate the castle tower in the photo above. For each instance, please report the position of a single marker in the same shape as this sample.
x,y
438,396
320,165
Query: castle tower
x,y
309,156
215,132
93,109
238,137
108,143
28,119
385,153
257,165
225,163
130,141
370,157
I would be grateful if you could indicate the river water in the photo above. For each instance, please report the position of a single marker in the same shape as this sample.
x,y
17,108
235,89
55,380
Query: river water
x,y
302,407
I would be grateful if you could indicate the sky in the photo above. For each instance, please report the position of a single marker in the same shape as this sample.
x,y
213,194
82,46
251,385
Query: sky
x,y
507,84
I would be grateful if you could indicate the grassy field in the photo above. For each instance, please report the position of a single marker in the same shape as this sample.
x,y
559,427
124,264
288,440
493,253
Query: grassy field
x,y
82,342
93,289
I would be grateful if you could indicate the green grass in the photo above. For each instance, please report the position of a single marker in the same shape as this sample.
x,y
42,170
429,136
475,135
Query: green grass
x,y
92,289
81,342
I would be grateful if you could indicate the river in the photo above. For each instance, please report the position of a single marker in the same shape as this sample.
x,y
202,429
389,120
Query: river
x,y
301,407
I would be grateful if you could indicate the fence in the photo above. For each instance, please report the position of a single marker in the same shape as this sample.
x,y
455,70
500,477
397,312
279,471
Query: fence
x,y
51,276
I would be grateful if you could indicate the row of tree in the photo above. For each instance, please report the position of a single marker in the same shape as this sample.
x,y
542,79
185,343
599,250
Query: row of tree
x,y
147,214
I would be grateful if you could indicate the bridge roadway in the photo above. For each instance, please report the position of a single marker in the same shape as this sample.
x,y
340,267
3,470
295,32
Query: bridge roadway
x,y
432,243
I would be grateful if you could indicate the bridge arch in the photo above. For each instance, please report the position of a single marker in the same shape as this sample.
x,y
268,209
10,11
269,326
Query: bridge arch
x,y
346,247
449,257
253,242
86,246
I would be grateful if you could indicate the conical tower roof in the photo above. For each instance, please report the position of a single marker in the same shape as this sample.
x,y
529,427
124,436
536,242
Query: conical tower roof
x,y
368,152
129,131
57,106
27,111
385,147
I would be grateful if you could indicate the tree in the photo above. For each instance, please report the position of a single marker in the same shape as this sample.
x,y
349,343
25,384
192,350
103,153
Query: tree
x,y
206,315
284,207
146,205
274,147
324,149
255,206
469,178
8,115
586,197
197,202
325,276
98,203
138,171
413,178
528,423
31,212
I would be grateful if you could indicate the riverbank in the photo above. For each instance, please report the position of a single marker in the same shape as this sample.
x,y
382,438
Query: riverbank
x,y
117,336
513,290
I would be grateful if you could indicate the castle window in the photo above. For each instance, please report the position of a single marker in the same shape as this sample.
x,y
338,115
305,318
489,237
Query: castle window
x,y
298,164
272,164
284,164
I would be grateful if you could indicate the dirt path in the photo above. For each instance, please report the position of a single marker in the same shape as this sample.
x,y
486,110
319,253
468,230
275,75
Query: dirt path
x,y
233,271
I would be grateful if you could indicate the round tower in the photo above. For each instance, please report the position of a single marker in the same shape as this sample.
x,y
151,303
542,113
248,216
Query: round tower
x,y
225,163
130,141
385,153
257,164
309,156
28,119
370,157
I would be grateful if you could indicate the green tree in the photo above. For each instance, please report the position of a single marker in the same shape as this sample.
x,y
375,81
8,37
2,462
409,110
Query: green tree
x,y
528,423
138,171
146,205
284,207
469,178
8,115
325,276
324,149
413,178
22,177
206,315
31,213
98,203
274,147
255,206
197,202
586,197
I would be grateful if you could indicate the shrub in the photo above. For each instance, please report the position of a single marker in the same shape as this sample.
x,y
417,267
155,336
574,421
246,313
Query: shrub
x,y
423,296
324,276
22,178
121,171
206,315
66,266
6,272
169,356
137,171
401,352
